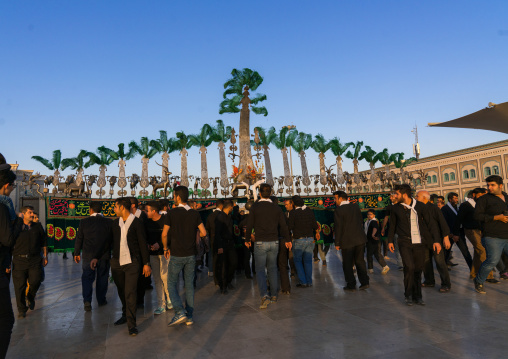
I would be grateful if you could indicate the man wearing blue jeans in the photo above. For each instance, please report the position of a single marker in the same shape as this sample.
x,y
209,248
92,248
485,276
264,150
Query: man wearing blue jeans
x,y
491,211
180,245
303,226
267,221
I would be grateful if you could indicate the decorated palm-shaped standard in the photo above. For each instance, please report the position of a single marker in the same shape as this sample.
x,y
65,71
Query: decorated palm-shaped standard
x,y
338,149
357,147
166,146
222,134
266,138
76,163
284,140
103,159
236,94
320,145
147,149
301,144
204,139
182,144
53,164
121,156
369,155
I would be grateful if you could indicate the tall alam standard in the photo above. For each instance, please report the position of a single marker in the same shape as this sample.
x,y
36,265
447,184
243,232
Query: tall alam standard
x,y
246,176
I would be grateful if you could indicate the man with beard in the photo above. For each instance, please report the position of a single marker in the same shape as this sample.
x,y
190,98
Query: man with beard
x,y
412,222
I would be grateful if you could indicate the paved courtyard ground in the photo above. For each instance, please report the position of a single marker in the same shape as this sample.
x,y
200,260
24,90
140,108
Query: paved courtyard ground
x,y
318,322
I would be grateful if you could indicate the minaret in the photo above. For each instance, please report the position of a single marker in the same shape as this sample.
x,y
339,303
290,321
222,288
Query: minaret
x,y
416,146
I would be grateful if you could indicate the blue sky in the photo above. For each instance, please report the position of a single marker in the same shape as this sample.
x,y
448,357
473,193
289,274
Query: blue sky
x,y
81,74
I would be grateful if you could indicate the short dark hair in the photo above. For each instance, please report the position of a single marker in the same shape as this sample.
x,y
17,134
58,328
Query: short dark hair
x,y
125,202
219,202
156,205
451,195
298,201
228,203
479,190
341,194
404,189
433,198
7,177
163,203
26,208
494,178
96,206
371,211
133,201
265,190
440,197
182,192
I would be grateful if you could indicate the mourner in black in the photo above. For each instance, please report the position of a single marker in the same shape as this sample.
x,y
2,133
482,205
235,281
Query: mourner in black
x,y
94,233
371,228
8,235
413,223
26,261
210,229
225,248
439,258
350,238
130,254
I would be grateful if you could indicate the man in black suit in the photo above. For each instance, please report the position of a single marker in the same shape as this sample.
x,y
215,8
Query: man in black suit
x,y
225,247
350,238
8,235
210,229
130,254
416,231
93,235
450,212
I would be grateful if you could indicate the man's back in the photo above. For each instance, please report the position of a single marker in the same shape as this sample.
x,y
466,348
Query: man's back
x,y
349,230
183,225
267,220
93,234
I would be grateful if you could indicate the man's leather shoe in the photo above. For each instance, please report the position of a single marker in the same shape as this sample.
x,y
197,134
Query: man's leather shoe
x,y
419,301
363,287
88,306
408,301
427,285
121,321
133,331
348,289
103,303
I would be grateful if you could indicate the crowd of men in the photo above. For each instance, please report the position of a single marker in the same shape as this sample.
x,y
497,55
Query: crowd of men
x,y
153,241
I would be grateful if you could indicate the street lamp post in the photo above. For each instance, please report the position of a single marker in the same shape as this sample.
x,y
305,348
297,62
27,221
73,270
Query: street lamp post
x,y
291,127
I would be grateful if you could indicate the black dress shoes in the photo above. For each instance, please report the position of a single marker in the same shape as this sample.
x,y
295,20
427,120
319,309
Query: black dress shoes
x,y
121,321
349,289
133,331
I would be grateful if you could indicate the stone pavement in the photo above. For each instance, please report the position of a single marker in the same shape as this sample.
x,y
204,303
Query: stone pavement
x,y
318,322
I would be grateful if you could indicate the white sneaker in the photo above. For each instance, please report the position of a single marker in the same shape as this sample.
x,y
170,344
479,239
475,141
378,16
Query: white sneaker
x,y
371,271
385,270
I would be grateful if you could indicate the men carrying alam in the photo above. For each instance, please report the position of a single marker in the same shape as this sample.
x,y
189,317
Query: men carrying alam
x,y
350,238
491,211
413,223
94,234
267,221
26,261
130,258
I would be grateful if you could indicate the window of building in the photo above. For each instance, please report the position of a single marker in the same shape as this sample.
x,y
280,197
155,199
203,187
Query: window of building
x,y
495,170
452,176
465,174
472,174
418,182
446,177
434,178
487,171
429,179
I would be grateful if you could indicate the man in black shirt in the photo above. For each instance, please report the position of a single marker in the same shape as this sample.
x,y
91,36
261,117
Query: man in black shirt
x,y
350,238
179,243
442,229
371,228
130,254
267,220
225,247
412,222
8,234
450,211
93,235
303,226
26,261
491,211
210,229
154,226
